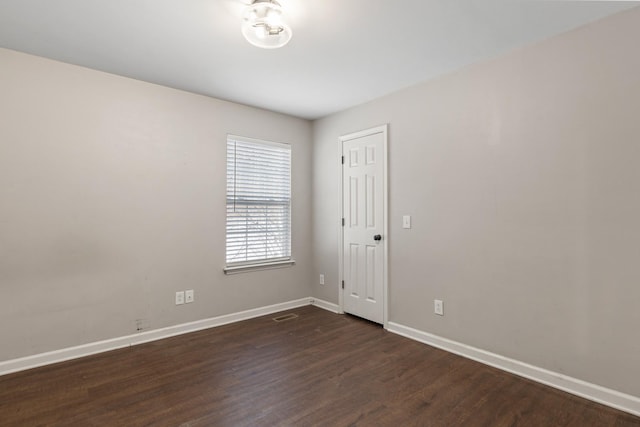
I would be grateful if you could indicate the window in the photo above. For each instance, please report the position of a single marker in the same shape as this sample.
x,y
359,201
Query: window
x,y
258,203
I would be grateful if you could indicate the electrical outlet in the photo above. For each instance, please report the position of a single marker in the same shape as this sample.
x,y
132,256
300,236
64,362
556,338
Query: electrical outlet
x,y
179,297
438,307
189,296
322,279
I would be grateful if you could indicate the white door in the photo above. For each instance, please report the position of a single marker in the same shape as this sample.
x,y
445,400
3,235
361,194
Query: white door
x,y
364,238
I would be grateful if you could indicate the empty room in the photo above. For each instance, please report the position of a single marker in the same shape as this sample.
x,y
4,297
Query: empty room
x,y
319,213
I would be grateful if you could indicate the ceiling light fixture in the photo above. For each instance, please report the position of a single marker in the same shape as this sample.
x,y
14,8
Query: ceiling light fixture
x,y
263,26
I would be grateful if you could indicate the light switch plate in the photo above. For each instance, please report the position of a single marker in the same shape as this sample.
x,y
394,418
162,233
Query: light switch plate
x,y
406,221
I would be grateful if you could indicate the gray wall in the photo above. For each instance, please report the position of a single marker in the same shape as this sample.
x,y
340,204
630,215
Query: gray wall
x,y
523,181
112,198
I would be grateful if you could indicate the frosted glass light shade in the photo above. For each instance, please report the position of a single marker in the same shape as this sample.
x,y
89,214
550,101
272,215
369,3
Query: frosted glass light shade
x,y
263,25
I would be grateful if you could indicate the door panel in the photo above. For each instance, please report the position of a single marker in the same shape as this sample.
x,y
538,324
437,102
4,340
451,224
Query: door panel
x,y
363,210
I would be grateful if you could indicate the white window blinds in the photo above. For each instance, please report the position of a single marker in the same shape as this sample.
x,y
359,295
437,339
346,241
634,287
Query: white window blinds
x,y
258,201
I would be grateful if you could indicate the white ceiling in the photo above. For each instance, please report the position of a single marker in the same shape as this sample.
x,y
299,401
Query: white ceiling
x,y
343,52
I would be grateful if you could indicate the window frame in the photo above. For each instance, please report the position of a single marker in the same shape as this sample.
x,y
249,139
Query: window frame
x,y
262,263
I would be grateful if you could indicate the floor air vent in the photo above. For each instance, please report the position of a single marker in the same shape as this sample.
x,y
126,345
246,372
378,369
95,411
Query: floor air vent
x,y
285,317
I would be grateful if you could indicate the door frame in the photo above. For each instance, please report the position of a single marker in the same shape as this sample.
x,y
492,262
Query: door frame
x,y
384,130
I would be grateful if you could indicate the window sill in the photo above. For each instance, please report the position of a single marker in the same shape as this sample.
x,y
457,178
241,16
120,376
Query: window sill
x,y
261,266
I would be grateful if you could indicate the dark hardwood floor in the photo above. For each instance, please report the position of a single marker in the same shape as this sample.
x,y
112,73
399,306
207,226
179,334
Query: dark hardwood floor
x,y
319,369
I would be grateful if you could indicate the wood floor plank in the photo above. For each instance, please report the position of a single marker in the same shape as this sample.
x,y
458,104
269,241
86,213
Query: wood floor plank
x,y
319,369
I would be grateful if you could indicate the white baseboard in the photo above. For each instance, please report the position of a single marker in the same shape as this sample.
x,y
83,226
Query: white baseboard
x,y
56,356
615,399
334,308
606,396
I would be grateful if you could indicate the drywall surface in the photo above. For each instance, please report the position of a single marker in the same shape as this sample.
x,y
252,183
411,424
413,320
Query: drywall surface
x,y
112,198
521,175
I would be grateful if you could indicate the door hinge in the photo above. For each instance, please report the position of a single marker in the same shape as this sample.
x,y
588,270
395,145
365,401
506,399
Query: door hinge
x,y
343,222
343,160
343,284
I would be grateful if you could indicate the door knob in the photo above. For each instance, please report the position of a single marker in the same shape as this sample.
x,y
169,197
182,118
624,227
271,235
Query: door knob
x,y
377,237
